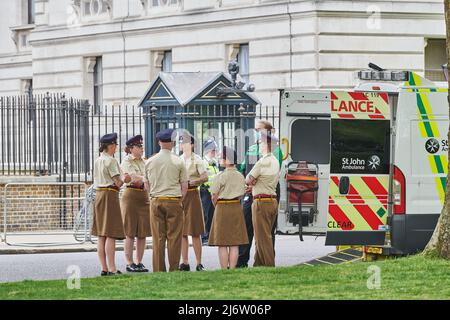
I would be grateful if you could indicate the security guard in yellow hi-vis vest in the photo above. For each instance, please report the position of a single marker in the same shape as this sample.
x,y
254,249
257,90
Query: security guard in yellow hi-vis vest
x,y
212,167
263,179
166,176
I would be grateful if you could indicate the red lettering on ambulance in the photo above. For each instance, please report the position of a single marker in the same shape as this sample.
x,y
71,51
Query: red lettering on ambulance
x,y
353,106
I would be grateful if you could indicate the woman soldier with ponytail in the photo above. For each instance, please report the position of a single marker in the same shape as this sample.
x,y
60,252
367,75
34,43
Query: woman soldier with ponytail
x,y
107,224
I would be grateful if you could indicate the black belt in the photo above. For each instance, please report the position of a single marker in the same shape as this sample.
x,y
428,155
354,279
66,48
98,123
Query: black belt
x,y
264,196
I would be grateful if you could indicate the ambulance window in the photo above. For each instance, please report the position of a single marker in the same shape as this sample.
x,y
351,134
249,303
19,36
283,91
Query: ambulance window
x,y
360,146
310,141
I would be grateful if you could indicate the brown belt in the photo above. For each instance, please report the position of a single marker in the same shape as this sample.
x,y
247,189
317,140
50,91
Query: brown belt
x,y
110,188
264,196
168,198
228,201
192,189
235,200
135,188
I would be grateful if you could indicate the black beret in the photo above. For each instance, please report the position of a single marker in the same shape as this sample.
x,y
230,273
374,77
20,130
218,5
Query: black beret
x,y
134,140
165,135
109,138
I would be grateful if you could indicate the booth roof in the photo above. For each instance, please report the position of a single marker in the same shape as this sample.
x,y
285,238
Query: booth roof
x,y
186,86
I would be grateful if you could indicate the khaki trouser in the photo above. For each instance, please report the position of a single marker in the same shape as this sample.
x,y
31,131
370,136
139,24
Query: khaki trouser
x,y
166,218
264,215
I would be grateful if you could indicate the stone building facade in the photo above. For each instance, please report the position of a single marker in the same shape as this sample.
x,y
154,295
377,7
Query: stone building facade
x,y
108,51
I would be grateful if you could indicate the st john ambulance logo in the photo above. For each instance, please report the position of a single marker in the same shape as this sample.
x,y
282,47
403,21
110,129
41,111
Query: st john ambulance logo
x,y
432,146
374,162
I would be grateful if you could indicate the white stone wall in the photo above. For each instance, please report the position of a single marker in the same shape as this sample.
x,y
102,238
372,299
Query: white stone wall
x,y
300,44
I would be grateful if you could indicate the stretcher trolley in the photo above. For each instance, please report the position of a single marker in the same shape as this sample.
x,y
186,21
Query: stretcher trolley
x,y
302,185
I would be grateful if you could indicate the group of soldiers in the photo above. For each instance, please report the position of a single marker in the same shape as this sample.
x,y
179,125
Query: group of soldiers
x,y
168,197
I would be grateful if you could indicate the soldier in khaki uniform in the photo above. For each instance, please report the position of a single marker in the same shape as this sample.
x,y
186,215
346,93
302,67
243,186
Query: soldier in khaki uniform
x,y
228,229
263,179
194,225
135,205
107,223
166,175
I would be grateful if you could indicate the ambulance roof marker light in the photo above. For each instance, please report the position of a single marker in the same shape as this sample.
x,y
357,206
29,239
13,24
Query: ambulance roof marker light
x,y
377,73
383,75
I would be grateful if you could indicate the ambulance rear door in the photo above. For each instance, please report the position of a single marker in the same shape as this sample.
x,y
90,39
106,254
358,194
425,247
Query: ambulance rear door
x,y
359,168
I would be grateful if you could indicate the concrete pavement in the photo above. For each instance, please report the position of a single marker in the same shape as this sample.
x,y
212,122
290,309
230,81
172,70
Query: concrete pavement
x,y
17,267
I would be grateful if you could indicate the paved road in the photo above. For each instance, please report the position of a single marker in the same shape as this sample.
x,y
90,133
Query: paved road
x,y
289,251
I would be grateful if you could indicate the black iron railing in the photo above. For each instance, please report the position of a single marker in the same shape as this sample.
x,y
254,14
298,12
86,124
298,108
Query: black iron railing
x,y
51,134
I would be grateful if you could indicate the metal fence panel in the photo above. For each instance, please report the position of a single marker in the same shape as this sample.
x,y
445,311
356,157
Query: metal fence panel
x,y
38,210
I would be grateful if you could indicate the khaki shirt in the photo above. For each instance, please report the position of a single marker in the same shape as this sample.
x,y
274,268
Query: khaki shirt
x,y
132,165
195,166
105,168
228,184
165,173
266,173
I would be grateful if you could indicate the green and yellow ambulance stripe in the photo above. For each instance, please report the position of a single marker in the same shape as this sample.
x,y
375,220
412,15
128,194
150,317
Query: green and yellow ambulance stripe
x,y
439,165
428,128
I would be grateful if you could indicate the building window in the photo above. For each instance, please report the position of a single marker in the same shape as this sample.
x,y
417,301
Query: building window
x,y
167,62
27,87
98,85
435,57
94,8
243,59
164,3
31,12
161,61
163,6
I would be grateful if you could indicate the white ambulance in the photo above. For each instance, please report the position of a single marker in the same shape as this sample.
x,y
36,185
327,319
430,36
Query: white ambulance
x,y
378,155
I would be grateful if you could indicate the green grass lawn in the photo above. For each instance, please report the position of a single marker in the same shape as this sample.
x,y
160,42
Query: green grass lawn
x,y
406,278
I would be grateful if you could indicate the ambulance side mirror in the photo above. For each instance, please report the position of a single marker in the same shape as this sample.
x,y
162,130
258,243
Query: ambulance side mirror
x,y
344,185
